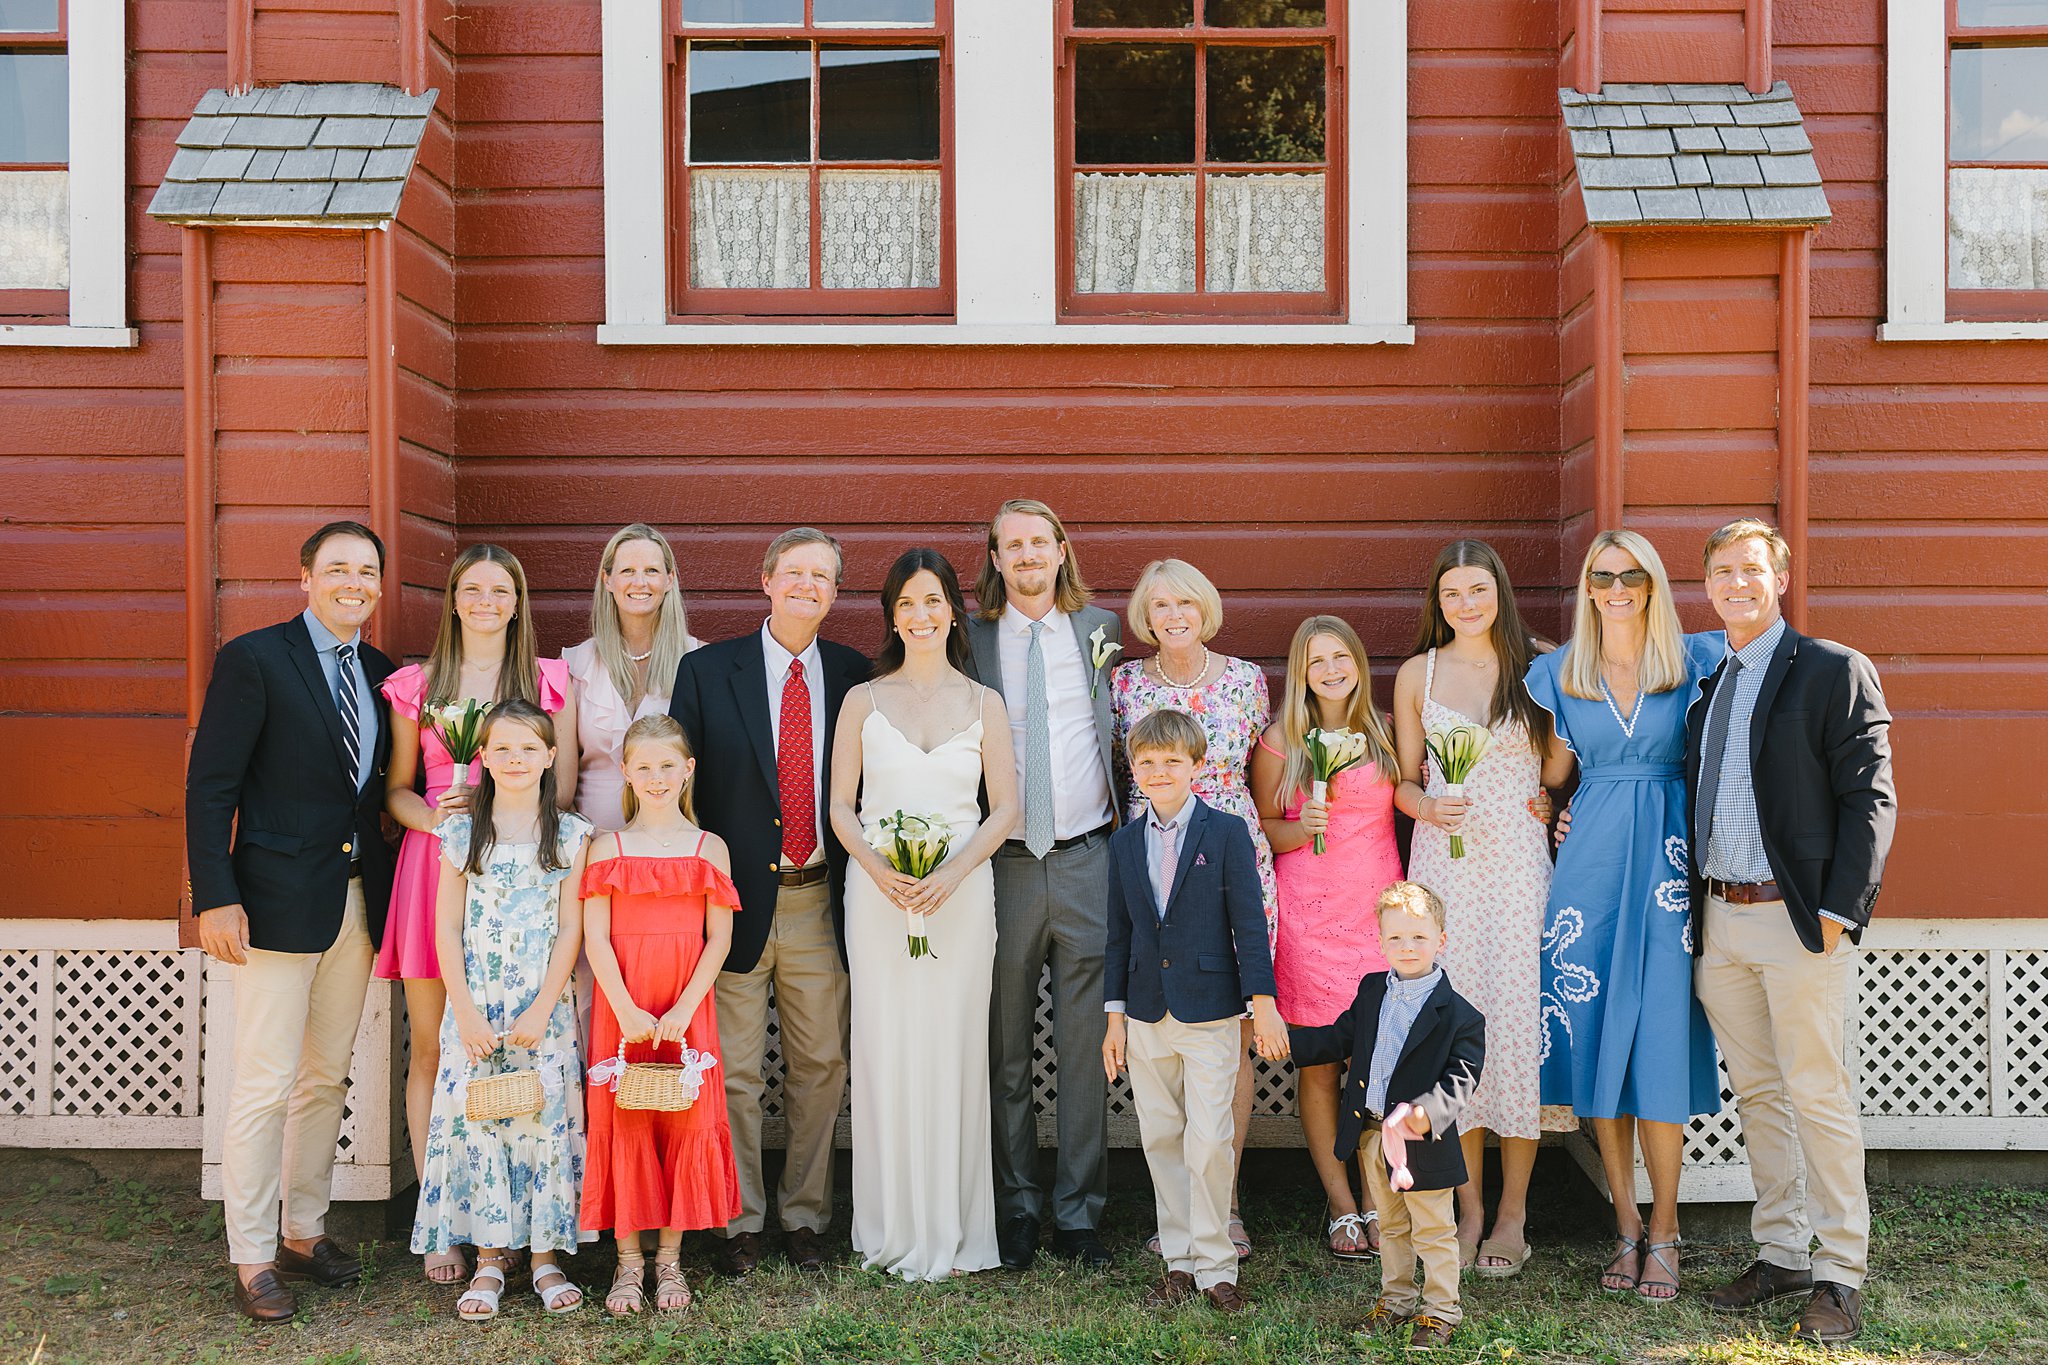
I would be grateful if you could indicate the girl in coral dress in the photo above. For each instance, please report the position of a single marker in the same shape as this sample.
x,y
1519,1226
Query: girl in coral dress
x,y
485,652
658,903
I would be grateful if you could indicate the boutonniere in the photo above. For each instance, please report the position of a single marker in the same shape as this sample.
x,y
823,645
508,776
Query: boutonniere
x,y
1100,652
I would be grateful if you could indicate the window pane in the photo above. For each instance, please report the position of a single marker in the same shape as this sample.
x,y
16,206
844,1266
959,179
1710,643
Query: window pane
x,y
881,229
1998,104
750,102
1133,104
750,229
2001,13
1134,234
1134,13
35,229
1997,228
28,16
743,11
34,108
1263,13
878,104
1263,234
874,11
1265,104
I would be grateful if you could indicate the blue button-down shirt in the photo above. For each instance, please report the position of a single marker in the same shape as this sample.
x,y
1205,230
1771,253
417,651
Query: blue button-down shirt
x,y
325,643
1403,1002
1155,849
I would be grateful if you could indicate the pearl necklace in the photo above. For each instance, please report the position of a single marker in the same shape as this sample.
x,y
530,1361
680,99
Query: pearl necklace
x,y
1159,667
642,658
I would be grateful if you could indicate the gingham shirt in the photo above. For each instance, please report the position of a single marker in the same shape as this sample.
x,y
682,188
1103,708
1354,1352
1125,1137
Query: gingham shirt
x,y
1403,1002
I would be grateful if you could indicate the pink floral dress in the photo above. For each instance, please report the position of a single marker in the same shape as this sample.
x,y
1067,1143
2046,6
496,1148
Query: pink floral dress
x,y
1233,711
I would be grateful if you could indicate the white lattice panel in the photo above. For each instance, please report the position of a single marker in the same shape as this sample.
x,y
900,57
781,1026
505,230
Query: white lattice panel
x,y
1924,1032
1716,1139
2024,1031
23,1032
126,1041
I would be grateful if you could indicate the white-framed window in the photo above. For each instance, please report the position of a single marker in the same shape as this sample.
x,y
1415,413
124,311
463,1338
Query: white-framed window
x,y
1966,170
63,173
1004,160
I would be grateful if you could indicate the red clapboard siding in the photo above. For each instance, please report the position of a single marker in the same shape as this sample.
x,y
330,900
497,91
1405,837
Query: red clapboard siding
x,y
1671,40
324,40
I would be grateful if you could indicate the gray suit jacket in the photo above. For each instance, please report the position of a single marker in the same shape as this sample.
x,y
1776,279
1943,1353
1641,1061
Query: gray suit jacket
x,y
988,669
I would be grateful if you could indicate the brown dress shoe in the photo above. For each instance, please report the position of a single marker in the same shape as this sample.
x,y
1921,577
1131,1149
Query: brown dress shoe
x,y
1226,1297
806,1250
1762,1283
266,1298
1834,1313
738,1254
327,1265
1429,1334
1173,1289
1382,1319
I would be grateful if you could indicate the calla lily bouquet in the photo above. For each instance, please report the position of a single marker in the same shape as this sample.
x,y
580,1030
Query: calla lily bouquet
x,y
460,724
1100,651
914,845
1457,749
1330,752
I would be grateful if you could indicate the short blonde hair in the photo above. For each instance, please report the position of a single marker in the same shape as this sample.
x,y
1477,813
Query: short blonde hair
x,y
1182,579
1747,528
1413,898
1176,731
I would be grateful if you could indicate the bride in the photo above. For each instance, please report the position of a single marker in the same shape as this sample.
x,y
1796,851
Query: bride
x,y
922,738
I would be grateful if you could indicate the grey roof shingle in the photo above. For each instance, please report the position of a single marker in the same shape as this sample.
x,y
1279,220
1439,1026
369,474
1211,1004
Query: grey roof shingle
x,y
335,154
1693,154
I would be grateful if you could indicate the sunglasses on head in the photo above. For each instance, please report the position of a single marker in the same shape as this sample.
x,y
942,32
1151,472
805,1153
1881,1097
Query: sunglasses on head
x,y
1607,578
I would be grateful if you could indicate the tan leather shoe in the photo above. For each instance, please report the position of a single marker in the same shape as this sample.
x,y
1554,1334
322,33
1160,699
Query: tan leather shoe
x,y
1429,1334
1172,1289
1834,1313
1226,1297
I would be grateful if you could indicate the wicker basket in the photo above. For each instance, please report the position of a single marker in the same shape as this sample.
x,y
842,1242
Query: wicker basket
x,y
663,1086
506,1095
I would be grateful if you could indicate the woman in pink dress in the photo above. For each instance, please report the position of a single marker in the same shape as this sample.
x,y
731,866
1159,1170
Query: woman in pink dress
x,y
1329,934
484,651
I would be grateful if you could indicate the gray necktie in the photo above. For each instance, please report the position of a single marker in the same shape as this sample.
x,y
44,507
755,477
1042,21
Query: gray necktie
x,y
1712,746
1038,834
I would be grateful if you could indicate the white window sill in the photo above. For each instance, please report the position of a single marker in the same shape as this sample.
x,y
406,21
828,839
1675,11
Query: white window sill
x,y
986,334
50,334
1963,331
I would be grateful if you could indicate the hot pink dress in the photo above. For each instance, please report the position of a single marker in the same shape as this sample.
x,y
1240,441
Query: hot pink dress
x,y
407,953
1329,931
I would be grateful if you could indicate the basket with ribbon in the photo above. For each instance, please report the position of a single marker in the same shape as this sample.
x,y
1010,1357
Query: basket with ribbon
x,y
667,1087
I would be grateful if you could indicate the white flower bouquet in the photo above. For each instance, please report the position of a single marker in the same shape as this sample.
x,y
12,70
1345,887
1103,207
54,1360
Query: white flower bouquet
x,y
460,724
1100,652
1457,750
914,846
1330,752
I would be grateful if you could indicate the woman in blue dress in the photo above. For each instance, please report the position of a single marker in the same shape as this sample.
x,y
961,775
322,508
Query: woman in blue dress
x,y
1625,1043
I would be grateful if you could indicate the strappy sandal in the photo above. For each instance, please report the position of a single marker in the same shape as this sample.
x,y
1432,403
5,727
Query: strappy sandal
x,y
1631,1247
479,1302
451,1260
553,1296
1655,1252
1351,1228
1491,1250
1240,1239
628,1294
671,1290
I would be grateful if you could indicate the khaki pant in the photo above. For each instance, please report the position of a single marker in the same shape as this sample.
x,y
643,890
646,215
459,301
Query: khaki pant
x,y
296,1016
1414,1225
1183,1078
1779,1012
801,959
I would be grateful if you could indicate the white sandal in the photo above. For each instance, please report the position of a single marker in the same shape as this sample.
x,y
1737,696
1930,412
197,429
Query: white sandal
x,y
485,1295
552,1295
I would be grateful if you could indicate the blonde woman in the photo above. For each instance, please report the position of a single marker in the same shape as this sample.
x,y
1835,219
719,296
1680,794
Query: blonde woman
x,y
1329,932
1625,1041
627,668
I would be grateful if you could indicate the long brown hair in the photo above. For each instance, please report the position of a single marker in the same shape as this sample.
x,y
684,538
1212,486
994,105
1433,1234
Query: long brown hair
x,y
657,730
482,835
519,675
1298,709
1513,646
1069,593
907,566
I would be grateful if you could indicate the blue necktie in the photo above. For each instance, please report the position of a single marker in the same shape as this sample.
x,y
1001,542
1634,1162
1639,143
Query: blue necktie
x,y
351,721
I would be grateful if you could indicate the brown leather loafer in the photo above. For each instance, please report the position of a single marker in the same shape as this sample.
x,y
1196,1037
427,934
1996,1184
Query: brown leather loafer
x,y
1762,1283
1226,1297
1429,1334
1171,1290
1834,1313
806,1250
327,1265
738,1254
266,1298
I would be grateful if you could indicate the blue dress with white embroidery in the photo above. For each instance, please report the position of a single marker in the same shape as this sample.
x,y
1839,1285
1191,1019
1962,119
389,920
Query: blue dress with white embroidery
x,y
1623,1032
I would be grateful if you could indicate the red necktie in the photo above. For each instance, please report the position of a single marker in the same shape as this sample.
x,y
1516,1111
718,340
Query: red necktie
x,y
793,769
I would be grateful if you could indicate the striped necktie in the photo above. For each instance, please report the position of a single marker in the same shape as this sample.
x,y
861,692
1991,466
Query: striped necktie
x,y
351,721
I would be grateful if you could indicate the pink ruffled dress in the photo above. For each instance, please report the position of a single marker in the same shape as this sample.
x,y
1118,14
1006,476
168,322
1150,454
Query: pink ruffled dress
x,y
407,953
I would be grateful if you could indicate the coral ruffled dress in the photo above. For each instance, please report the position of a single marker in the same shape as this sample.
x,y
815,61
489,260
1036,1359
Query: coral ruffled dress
x,y
407,953
646,1169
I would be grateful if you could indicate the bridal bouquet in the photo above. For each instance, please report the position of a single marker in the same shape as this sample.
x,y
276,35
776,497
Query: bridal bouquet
x,y
1330,752
460,724
914,846
1457,750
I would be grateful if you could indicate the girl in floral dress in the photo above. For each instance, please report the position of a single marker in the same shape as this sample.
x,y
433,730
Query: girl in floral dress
x,y
507,932
658,903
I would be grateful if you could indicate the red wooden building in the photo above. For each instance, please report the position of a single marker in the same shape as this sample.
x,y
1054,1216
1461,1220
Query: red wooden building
x,y
1296,289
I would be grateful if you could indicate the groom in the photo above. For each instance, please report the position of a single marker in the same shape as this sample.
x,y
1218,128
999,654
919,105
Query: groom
x,y
759,711
1038,642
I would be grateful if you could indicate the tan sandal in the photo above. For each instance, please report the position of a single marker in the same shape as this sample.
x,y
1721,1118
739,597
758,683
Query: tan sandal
x,y
446,1267
671,1290
628,1294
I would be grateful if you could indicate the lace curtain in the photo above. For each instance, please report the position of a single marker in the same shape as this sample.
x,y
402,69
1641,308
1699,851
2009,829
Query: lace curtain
x,y
1135,234
751,229
1997,228
35,229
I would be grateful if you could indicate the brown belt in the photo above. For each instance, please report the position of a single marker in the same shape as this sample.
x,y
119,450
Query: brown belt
x,y
1744,893
802,876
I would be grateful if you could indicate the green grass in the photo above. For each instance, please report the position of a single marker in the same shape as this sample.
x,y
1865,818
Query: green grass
x,y
95,1269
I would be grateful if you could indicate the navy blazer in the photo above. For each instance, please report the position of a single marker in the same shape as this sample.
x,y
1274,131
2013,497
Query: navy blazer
x,y
1438,1066
1209,954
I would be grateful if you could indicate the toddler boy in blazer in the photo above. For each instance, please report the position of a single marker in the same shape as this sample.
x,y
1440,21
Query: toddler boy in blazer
x,y
1187,950
1416,1047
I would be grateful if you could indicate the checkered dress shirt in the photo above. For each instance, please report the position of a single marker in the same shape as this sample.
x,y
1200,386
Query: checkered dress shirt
x,y
1403,1002
1735,847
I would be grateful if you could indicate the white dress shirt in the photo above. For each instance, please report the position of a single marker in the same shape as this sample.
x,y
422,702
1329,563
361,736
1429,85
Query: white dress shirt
x,y
779,660
1080,788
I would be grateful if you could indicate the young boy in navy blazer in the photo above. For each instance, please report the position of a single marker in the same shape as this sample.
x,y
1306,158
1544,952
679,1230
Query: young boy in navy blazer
x,y
1187,950
1416,1047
